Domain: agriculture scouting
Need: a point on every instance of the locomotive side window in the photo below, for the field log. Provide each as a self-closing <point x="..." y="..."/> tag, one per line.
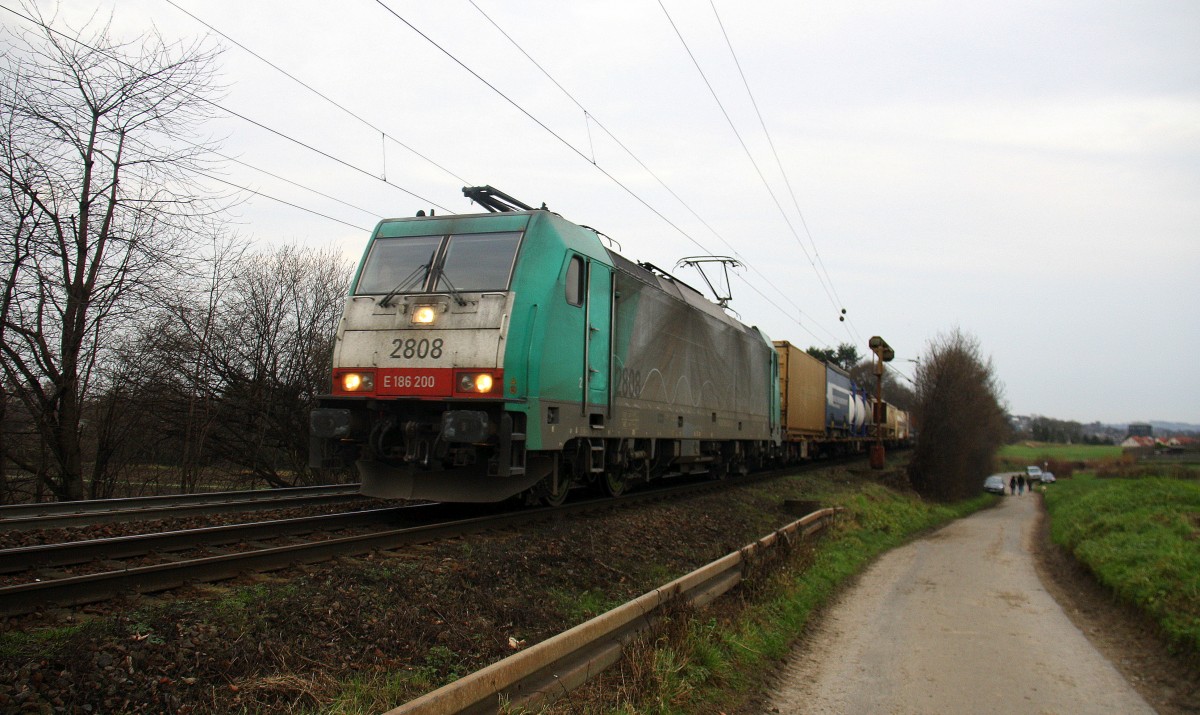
<point x="575" y="281"/>
<point x="478" y="262"/>
<point x="398" y="265"/>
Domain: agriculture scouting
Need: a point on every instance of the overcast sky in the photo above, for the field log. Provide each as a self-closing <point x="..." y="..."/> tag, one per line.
<point x="1028" y="172"/>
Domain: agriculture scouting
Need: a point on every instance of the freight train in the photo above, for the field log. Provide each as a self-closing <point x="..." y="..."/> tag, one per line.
<point x="513" y="354"/>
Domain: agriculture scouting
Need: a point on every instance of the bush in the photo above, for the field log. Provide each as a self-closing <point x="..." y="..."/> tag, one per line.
<point x="1059" y="468"/>
<point x="959" y="420"/>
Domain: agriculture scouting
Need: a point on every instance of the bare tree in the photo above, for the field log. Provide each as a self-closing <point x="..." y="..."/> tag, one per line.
<point x="20" y="224"/>
<point x="959" y="419"/>
<point x="272" y="355"/>
<point x="177" y="355"/>
<point x="100" y="202"/>
<point x="114" y="423"/>
<point x="233" y="368"/>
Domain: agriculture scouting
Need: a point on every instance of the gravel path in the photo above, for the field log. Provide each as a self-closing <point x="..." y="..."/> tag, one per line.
<point x="955" y="623"/>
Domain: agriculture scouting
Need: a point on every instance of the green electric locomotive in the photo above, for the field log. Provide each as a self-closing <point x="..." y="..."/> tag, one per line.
<point x="487" y="356"/>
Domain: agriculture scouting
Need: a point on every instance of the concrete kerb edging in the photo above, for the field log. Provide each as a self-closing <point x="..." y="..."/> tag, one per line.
<point x="550" y="668"/>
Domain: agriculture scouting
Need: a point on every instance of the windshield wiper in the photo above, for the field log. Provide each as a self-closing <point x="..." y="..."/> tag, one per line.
<point x="454" y="293"/>
<point x="420" y="271"/>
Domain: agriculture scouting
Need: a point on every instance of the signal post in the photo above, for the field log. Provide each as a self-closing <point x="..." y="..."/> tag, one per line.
<point x="883" y="353"/>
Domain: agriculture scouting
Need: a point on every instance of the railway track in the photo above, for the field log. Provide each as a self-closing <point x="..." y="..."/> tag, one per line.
<point x="60" y="589"/>
<point x="246" y="554"/>
<point x="105" y="511"/>
<point x="72" y="553"/>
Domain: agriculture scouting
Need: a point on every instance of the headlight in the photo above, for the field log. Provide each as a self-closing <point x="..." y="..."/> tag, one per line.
<point x="424" y="315"/>
<point x="358" y="381"/>
<point x="476" y="382"/>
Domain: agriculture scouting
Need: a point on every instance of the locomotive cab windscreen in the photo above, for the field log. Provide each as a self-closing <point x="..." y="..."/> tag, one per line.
<point x="453" y="264"/>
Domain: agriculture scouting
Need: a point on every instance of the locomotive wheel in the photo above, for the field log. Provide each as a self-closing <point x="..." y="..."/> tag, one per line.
<point x="548" y="495"/>
<point x="613" y="484"/>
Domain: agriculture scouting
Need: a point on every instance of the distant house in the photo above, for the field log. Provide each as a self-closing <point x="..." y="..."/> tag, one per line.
<point x="1179" y="445"/>
<point x="1145" y="446"/>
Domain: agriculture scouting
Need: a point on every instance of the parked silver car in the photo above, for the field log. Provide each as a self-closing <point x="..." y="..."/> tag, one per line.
<point x="994" y="484"/>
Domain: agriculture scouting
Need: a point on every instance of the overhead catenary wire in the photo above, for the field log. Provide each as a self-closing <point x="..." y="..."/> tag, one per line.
<point x="349" y="165"/>
<point x="749" y="155"/>
<point x="256" y="192"/>
<point x="780" y="308"/>
<point x="590" y="118"/>
<point x="775" y="152"/>
<point x="232" y="113"/>
<point x="317" y="92"/>
<point x="359" y="169"/>
<point x="901" y="374"/>
<point x="326" y="154"/>
<point x="298" y="185"/>
<point x="273" y="175"/>
<point x="282" y="201"/>
<point x="543" y="125"/>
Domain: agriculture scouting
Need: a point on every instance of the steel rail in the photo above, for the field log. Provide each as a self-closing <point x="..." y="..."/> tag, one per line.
<point x="548" y="670"/>
<point x="192" y="507"/>
<point x="26" y="558"/>
<point x="94" y="505"/>
<point x="77" y="590"/>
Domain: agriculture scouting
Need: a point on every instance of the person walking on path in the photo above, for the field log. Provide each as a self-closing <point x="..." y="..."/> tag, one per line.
<point x="1020" y="484"/>
<point x="1012" y="485"/>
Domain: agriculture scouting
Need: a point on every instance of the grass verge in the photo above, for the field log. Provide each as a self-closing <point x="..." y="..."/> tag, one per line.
<point x="719" y="663"/>
<point x="1141" y="538"/>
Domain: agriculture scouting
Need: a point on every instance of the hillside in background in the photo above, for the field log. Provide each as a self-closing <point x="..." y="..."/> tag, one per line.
<point x="1049" y="429"/>
<point x="1173" y="427"/>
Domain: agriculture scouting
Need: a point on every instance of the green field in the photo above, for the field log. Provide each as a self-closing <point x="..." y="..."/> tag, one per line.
<point x="1140" y="537"/>
<point x="1038" y="452"/>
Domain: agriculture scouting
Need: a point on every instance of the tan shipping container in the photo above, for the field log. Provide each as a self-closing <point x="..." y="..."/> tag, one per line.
<point x="896" y="427"/>
<point x="891" y="429"/>
<point x="801" y="392"/>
